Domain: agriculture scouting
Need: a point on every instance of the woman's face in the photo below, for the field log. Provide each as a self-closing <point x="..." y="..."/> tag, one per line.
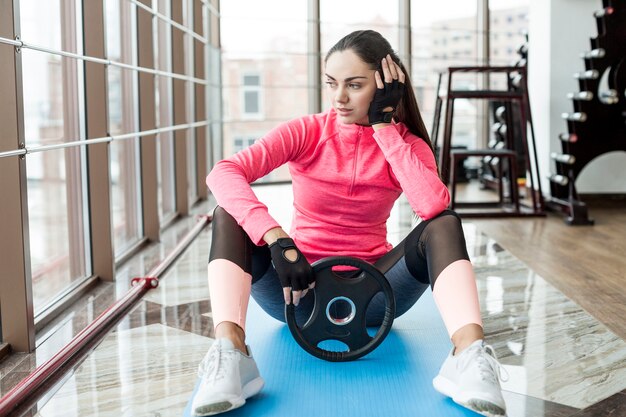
<point x="351" y="86"/>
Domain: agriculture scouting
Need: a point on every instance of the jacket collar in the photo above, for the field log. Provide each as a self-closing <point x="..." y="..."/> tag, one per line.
<point x="350" y="132"/>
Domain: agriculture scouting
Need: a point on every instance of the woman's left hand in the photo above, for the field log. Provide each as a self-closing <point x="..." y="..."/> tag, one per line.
<point x="388" y="93"/>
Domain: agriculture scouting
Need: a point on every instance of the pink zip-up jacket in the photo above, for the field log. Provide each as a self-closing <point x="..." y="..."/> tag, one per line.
<point x="346" y="179"/>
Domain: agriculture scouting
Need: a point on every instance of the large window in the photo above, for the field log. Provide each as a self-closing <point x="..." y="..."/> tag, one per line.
<point x="508" y="25"/>
<point x="123" y="118"/>
<point x="213" y="99"/>
<point x="56" y="182"/>
<point x="164" y="115"/>
<point x="338" y="19"/>
<point x="188" y="18"/>
<point x="443" y="37"/>
<point x="90" y="113"/>
<point x="265" y="80"/>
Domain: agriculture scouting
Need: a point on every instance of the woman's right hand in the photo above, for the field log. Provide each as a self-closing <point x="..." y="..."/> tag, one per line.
<point x="294" y="271"/>
<point x="389" y="91"/>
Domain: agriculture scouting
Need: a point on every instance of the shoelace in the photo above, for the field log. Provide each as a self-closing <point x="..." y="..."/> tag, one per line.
<point x="488" y="364"/>
<point x="212" y="366"/>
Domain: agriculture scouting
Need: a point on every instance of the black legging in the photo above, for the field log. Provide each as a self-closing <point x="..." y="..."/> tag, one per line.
<point x="428" y="249"/>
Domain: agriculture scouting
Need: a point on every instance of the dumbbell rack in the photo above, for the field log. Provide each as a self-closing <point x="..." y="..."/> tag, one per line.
<point x="598" y="123"/>
<point x="505" y="129"/>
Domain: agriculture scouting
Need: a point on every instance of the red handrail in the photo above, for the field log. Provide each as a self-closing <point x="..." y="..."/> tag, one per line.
<point x="56" y="367"/>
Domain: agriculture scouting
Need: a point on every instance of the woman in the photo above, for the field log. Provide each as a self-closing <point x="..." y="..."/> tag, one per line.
<point x="348" y="166"/>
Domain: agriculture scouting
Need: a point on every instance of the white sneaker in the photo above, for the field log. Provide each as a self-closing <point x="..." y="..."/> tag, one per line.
<point x="472" y="380"/>
<point x="229" y="377"/>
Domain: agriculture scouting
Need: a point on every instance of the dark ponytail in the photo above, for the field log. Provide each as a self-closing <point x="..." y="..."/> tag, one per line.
<point x="372" y="47"/>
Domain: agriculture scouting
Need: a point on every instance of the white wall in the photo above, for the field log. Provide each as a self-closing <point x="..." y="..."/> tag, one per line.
<point x="559" y="31"/>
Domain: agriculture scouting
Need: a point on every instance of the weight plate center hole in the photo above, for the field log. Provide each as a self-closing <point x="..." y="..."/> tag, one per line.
<point x="340" y="311"/>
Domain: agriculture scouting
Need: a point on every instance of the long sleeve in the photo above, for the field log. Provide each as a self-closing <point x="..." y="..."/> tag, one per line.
<point x="230" y="179"/>
<point x="413" y="164"/>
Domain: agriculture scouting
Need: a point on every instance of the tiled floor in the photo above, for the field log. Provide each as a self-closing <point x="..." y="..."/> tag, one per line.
<point x="560" y="360"/>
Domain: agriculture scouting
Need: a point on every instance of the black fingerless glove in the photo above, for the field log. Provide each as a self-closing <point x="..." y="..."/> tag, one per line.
<point x="297" y="274"/>
<point x="389" y="96"/>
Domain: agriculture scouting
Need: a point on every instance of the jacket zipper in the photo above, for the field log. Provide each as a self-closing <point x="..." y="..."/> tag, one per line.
<point x="356" y="157"/>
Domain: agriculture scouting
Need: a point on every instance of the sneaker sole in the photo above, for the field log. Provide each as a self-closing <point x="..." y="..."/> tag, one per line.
<point x="253" y="387"/>
<point x="217" y="408"/>
<point x="250" y="389"/>
<point x="483" y="407"/>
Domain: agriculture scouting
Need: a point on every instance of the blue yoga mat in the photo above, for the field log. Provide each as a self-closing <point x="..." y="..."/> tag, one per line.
<point x="393" y="380"/>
